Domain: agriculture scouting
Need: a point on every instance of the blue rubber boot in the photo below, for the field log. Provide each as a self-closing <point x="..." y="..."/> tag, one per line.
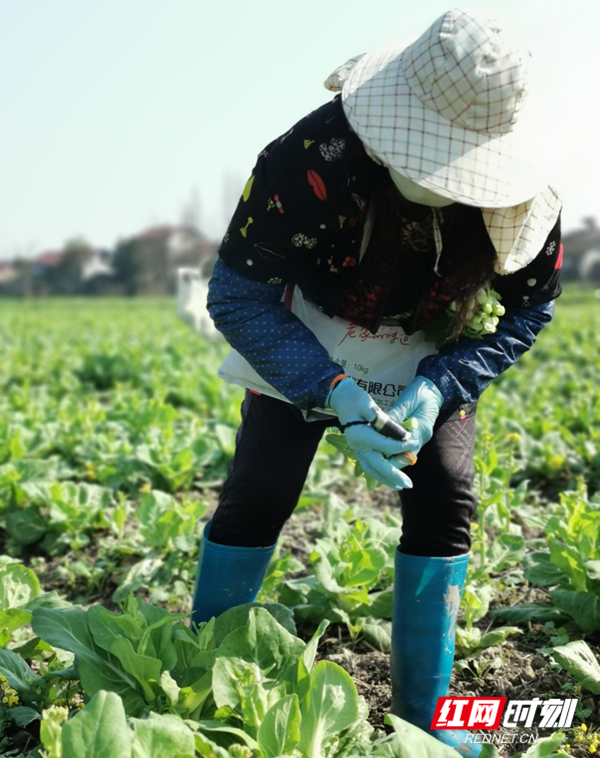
<point x="227" y="576"/>
<point x="427" y="593"/>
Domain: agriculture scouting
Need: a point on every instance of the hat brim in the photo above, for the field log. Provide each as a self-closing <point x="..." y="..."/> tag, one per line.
<point x="471" y="167"/>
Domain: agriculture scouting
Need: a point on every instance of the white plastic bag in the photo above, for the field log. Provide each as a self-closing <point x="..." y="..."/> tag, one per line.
<point x="192" y="291"/>
<point x="383" y="364"/>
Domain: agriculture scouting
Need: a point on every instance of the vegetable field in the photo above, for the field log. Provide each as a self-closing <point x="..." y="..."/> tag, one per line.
<point x="115" y="434"/>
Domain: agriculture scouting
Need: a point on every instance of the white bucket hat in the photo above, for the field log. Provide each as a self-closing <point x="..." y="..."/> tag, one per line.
<point x="442" y="111"/>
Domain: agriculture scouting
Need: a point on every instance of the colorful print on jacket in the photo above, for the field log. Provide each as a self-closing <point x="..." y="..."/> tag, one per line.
<point x="301" y="220"/>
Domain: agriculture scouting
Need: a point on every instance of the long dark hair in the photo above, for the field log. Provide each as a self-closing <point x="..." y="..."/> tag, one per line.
<point x="466" y="263"/>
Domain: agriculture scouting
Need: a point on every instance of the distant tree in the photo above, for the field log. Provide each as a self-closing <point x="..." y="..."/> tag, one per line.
<point x="67" y="274"/>
<point x="127" y="265"/>
<point x="24" y="271"/>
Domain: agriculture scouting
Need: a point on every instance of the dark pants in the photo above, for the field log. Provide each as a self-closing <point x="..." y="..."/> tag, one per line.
<point x="275" y="447"/>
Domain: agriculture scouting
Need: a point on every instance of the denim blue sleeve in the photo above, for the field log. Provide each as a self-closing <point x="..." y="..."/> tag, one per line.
<point x="284" y="352"/>
<point x="462" y="370"/>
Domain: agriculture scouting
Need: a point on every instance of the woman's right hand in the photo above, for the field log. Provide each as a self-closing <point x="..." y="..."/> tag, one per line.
<point x="356" y="410"/>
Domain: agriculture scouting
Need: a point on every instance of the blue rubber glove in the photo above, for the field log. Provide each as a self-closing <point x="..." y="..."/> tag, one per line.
<point x="352" y="404"/>
<point x="420" y="401"/>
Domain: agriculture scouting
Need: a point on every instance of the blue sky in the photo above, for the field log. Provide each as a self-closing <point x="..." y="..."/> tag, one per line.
<point x="118" y="114"/>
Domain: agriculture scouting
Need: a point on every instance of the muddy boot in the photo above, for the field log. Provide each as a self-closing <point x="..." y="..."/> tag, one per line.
<point x="227" y="576"/>
<point x="427" y="593"/>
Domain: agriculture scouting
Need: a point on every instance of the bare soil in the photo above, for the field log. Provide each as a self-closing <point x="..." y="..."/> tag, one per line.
<point x="516" y="669"/>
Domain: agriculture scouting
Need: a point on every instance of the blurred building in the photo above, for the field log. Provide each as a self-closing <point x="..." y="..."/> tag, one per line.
<point x="144" y="264"/>
<point x="581" y="260"/>
<point x="45" y="275"/>
<point x="9" y="279"/>
<point x="78" y="269"/>
<point x="147" y="263"/>
<point x="97" y="275"/>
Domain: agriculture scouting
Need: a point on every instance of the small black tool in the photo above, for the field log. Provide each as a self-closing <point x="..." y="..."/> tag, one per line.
<point x="389" y="428"/>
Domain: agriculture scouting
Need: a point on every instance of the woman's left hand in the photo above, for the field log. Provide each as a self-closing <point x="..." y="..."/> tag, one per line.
<point x="420" y="401"/>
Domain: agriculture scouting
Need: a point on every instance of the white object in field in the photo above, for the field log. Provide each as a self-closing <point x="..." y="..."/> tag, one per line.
<point x="192" y="292"/>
